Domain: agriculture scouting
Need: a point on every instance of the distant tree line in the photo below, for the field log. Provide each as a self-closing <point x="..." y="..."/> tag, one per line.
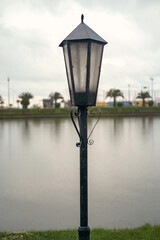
<point x="114" y="93"/>
<point x="26" y="96"/>
<point x="55" y="96"/>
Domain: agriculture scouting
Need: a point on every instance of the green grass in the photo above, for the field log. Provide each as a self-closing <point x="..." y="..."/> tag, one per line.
<point x="130" y="109"/>
<point x="34" y="113"/>
<point x="65" y="112"/>
<point x="146" y="232"/>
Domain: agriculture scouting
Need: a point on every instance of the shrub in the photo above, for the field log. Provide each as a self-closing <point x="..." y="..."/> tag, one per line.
<point x="150" y="103"/>
<point x="57" y="105"/>
<point x="120" y="104"/>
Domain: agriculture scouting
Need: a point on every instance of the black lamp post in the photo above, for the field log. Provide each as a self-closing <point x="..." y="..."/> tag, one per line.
<point x="83" y="50"/>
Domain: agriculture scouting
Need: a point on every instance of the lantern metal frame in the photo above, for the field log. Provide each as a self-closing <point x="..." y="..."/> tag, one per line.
<point x="82" y="34"/>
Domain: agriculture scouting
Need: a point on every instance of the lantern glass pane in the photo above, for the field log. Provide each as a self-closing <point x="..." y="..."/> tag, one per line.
<point x="95" y="65"/>
<point x="66" y="57"/>
<point x="79" y="65"/>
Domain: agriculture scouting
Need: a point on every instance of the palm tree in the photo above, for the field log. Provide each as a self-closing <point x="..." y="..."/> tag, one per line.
<point x="143" y="96"/>
<point x="25" y="96"/>
<point x="1" y="100"/>
<point x="114" y="93"/>
<point x="55" y="96"/>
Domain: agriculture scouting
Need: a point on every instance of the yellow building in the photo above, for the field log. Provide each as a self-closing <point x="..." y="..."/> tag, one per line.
<point x="101" y="104"/>
<point x="137" y="102"/>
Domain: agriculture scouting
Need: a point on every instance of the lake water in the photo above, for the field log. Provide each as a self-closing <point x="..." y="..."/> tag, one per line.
<point x="39" y="174"/>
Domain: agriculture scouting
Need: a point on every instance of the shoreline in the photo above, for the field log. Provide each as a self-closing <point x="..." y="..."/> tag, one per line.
<point x="65" y="112"/>
<point x="147" y="232"/>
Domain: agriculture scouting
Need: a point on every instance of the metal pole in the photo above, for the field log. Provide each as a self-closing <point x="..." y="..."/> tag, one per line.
<point x="8" y="94"/>
<point x="83" y="230"/>
<point x="129" y="92"/>
<point x="152" y="86"/>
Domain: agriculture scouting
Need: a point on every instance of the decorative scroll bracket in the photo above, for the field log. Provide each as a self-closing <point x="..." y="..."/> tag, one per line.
<point x="91" y="113"/>
<point x="75" y="112"/>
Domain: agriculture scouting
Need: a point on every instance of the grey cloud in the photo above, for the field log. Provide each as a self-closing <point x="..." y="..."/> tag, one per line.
<point x="118" y="4"/>
<point x="28" y="57"/>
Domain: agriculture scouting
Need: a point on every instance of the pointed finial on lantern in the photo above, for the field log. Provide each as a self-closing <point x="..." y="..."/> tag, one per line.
<point x="82" y="18"/>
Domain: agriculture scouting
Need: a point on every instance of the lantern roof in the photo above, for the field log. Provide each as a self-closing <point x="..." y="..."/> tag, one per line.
<point x="83" y="32"/>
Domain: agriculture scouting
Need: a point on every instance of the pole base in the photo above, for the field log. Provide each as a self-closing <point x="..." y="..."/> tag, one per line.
<point x="84" y="233"/>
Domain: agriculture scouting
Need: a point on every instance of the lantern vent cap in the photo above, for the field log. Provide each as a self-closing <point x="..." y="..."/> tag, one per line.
<point x="81" y="33"/>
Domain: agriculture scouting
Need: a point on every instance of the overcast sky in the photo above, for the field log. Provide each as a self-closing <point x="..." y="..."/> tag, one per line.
<point x="31" y="30"/>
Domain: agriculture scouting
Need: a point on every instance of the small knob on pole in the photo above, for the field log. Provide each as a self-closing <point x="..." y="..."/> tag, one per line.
<point x="82" y="18"/>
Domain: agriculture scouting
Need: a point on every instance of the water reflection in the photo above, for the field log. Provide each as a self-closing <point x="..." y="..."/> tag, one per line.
<point x="39" y="174"/>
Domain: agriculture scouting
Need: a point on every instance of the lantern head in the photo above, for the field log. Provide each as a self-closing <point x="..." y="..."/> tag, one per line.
<point x="83" y="50"/>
